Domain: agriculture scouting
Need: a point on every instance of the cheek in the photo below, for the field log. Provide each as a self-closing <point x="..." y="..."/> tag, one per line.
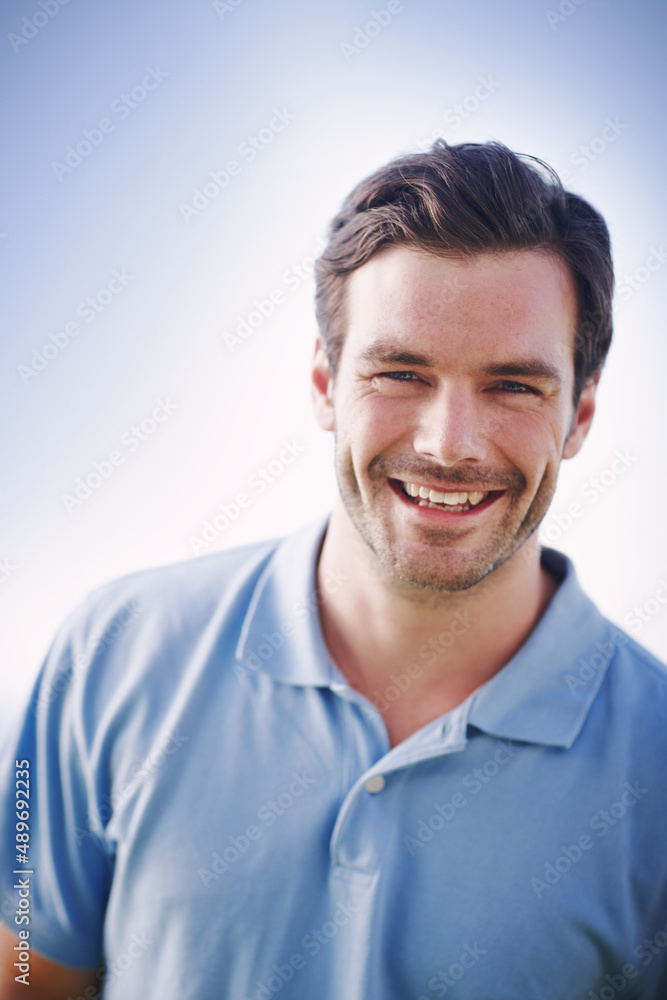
<point x="372" y="425"/>
<point x="530" y="440"/>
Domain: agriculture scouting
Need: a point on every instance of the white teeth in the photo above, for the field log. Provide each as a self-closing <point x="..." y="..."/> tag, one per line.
<point x="453" y="500"/>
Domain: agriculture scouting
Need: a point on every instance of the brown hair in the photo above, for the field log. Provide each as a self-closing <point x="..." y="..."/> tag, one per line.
<point x="464" y="200"/>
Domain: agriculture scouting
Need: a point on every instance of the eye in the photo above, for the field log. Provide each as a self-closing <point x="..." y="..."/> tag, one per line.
<point x="399" y="376"/>
<point x="518" y="388"/>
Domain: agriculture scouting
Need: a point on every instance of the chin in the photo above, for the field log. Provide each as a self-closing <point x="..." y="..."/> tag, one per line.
<point x="442" y="575"/>
<point x="440" y="563"/>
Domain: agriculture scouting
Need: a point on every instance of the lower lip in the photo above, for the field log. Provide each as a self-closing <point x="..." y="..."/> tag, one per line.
<point x="444" y="515"/>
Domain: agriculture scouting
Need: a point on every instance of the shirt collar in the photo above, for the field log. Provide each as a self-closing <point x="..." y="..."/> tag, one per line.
<point x="528" y="700"/>
<point x="281" y="633"/>
<point x="537" y="697"/>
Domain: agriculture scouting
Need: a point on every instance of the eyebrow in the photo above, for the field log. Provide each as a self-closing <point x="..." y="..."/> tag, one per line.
<point x="387" y="354"/>
<point x="528" y="368"/>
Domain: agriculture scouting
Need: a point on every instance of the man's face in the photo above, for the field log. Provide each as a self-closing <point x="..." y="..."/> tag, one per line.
<point x="455" y="378"/>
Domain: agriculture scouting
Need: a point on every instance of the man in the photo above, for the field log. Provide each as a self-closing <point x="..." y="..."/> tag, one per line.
<point x="400" y="754"/>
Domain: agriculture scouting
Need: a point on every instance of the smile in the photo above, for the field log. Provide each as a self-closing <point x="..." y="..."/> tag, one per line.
<point x="449" y="501"/>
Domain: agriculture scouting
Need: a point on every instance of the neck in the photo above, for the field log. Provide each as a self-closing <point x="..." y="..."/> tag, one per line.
<point x="417" y="653"/>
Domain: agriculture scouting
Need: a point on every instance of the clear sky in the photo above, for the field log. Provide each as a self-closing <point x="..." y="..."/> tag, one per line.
<point x="169" y="168"/>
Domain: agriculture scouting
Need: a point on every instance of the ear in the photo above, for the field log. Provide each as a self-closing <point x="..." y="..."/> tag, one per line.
<point x="321" y="388"/>
<point x="583" y="418"/>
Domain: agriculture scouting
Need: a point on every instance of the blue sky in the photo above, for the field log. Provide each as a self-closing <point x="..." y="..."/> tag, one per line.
<point x="170" y="168"/>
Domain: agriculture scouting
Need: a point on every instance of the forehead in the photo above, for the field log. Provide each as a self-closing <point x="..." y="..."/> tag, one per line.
<point x="487" y="306"/>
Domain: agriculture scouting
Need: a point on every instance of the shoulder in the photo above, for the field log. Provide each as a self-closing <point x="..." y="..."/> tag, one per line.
<point x="634" y="663"/>
<point x="601" y="650"/>
<point x="181" y="591"/>
<point x="635" y="674"/>
<point x="631" y="705"/>
<point x="147" y="626"/>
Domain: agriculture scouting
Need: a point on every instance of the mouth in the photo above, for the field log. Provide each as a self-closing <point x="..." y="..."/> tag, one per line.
<point x="446" y="500"/>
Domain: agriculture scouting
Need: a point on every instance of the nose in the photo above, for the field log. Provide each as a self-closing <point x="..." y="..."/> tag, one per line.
<point x="450" y="428"/>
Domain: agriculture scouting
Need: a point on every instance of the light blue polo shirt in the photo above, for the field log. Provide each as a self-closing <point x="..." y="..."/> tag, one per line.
<point x="216" y="815"/>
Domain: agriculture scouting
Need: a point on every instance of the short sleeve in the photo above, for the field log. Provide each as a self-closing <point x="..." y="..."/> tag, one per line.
<point x="70" y="862"/>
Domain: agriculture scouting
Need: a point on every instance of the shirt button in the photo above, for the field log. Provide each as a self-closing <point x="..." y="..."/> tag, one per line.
<point x="375" y="784"/>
